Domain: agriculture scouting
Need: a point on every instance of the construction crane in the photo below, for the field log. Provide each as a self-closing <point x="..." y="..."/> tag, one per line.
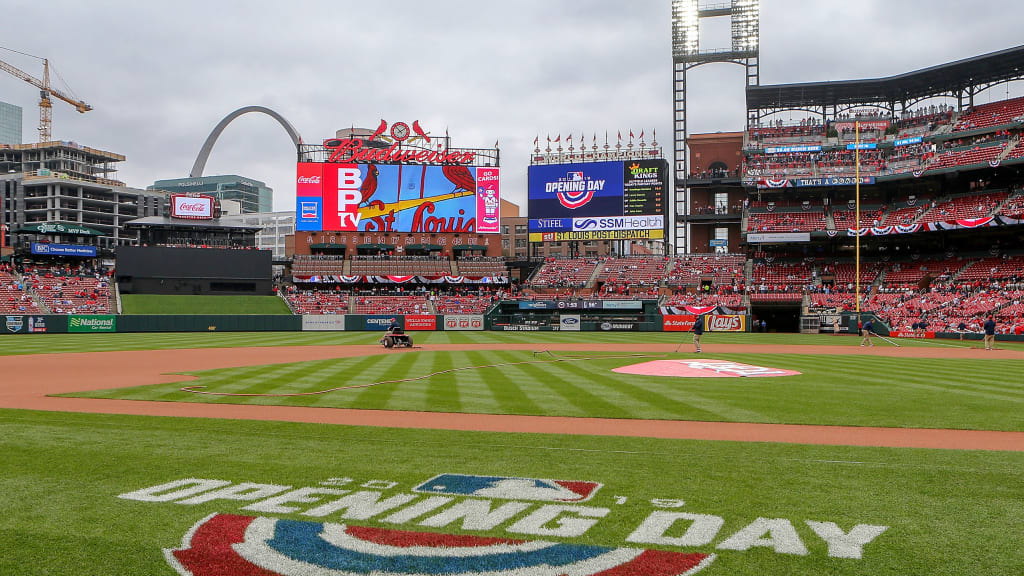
<point x="45" y="91"/>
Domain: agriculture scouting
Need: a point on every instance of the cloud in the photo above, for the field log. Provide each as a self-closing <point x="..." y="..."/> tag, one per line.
<point x="161" y="75"/>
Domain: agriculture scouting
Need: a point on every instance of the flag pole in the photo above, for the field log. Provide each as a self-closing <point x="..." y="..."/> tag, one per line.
<point x="856" y="150"/>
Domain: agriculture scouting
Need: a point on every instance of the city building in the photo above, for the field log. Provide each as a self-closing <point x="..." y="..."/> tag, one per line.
<point x="63" y="192"/>
<point x="253" y="195"/>
<point x="10" y="124"/>
<point x="275" y="228"/>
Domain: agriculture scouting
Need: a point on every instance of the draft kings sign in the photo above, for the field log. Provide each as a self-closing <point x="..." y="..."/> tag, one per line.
<point x="446" y="524"/>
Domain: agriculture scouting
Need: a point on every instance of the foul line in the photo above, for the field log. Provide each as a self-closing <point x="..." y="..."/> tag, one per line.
<point x="199" y="389"/>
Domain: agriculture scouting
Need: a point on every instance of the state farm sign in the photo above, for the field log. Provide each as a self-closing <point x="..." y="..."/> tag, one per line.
<point x="678" y="322"/>
<point x="192" y="207"/>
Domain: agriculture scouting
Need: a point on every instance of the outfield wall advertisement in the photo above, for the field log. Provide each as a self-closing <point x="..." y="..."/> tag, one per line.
<point x="397" y="198"/>
<point x="598" y="200"/>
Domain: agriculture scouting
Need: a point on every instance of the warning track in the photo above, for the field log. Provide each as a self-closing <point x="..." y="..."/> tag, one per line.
<point x="28" y="380"/>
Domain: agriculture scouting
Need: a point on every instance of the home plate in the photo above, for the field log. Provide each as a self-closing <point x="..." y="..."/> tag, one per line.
<point x="701" y="369"/>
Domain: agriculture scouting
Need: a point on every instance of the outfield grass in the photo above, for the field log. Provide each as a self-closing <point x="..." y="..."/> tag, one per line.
<point x="60" y="343"/>
<point x="178" y="304"/>
<point x="948" y="512"/>
<point x="831" y="390"/>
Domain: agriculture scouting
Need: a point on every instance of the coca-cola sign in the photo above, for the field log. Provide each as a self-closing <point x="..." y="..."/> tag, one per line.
<point x="192" y="207"/>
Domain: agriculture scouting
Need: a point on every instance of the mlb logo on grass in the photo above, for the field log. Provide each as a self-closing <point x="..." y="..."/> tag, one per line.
<point x="510" y="488"/>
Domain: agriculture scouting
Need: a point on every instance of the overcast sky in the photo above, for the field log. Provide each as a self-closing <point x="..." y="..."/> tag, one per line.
<point x="161" y="75"/>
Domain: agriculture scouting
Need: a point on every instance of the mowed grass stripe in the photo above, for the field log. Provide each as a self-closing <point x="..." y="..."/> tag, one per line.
<point x="573" y="390"/>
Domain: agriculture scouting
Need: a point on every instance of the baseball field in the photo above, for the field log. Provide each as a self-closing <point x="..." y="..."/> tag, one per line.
<point x="525" y="454"/>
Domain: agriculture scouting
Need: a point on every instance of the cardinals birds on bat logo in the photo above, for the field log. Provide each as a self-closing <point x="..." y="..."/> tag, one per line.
<point x="223" y="544"/>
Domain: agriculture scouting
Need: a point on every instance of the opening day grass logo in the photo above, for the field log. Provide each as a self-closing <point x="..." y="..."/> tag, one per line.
<point x="536" y="514"/>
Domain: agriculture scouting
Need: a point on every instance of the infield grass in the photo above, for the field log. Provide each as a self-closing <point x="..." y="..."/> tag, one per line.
<point x="202" y="304"/>
<point x="950" y="513"/>
<point x="831" y="390"/>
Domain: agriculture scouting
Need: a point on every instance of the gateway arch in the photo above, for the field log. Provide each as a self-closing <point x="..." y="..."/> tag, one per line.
<point x="204" y="153"/>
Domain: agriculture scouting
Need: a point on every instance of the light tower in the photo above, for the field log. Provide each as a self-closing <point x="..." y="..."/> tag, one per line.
<point x="686" y="54"/>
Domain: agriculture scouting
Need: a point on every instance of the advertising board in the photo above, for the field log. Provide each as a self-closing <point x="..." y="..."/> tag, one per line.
<point x="420" y="322"/>
<point x="192" y="207"/>
<point x="464" y="322"/>
<point x="322" y="323"/>
<point x="24" y="324"/>
<point x="597" y="200"/>
<point x="725" y="323"/>
<point x="772" y="237"/>
<point x="569" y="323"/>
<point x="678" y="322"/>
<point x="63" y="250"/>
<point x="416" y="198"/>
<point x="379" y="321"/>
<point x="93" y="323"/>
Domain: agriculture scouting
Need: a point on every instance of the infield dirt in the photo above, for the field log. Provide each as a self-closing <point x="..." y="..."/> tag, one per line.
<point x="29" y="380"/>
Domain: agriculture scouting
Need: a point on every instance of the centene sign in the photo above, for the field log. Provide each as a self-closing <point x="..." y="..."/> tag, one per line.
<point x="192" y="207"/>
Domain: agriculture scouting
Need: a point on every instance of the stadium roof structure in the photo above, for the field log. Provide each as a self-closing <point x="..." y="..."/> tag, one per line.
<point x="957" y="79"/>
<point x="168" y="222"/>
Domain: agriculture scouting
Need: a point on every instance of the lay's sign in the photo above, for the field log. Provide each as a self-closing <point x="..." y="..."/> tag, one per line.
<point x="725" y="323"/>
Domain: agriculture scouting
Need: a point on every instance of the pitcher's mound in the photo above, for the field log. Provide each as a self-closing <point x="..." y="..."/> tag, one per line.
<point x="701" y="369"/>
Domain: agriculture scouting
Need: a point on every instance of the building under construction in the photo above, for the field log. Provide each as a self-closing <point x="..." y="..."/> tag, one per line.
<point x="66" y="193"/>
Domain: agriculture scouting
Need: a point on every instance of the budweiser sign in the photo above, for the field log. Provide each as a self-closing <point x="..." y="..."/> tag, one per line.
<point x="357" y="150"/>
<point x="192" y="207"/>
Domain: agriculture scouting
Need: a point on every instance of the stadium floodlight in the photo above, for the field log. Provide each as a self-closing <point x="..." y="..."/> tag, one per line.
<point x="746" y="15"/>
<point x="685" y="28"/>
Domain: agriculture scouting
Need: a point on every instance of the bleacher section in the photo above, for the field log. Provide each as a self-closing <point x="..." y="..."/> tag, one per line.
<point x="992" y="114"/>
<point x="690" y="269"/>
<point x="804" y="221"/>
<point x="408" y="304"/>
<point x="482" y="267"/>
<point x="464" y="303"/>
<point x="642" y="271"/>
<point x="965" y="207"/>
<point x="316" y="302"/>
<point x="14" y="300"/>
<point x="400" y="266"/>
<point x="564" y="273"/>
<point x="71" y="294"/>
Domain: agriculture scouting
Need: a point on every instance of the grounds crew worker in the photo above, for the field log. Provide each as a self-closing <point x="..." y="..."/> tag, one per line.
<point x="868" y="331"/>
<point x="698" y="330"/>
<point x="990" y="333"/>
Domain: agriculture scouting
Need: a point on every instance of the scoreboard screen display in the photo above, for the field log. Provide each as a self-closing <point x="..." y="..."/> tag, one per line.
<point x="598" y="200"/>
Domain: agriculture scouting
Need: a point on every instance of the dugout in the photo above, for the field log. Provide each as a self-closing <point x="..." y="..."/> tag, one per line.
<point x="780" y="315"/>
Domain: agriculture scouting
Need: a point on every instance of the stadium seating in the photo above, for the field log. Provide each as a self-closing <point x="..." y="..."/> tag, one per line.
<point x="869" y="216"/>
<point x="464" y="303"/>
<point x="965" y="207"/>
<point x="994" y="269"/>
<point x="727" y="299"/>
<point x="562" y="273"/>
<point x="642" y="271"/>
<point x="992" y="114"/>
<point x="974" y="155"/>
<point x="315" y="302"/>
<point x="409" y="304"/>
<point x="400" y="266"/>
<point x="482" y="267"/>
<point x="786" y="221"/>
<point x="1014" y="207"/>
<point x="72" y="294"/>
<point x="911" y="273"/>
<point x="690" y="269"/>
<point x="780" y="275"/>
<point x="14" y="300"/>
